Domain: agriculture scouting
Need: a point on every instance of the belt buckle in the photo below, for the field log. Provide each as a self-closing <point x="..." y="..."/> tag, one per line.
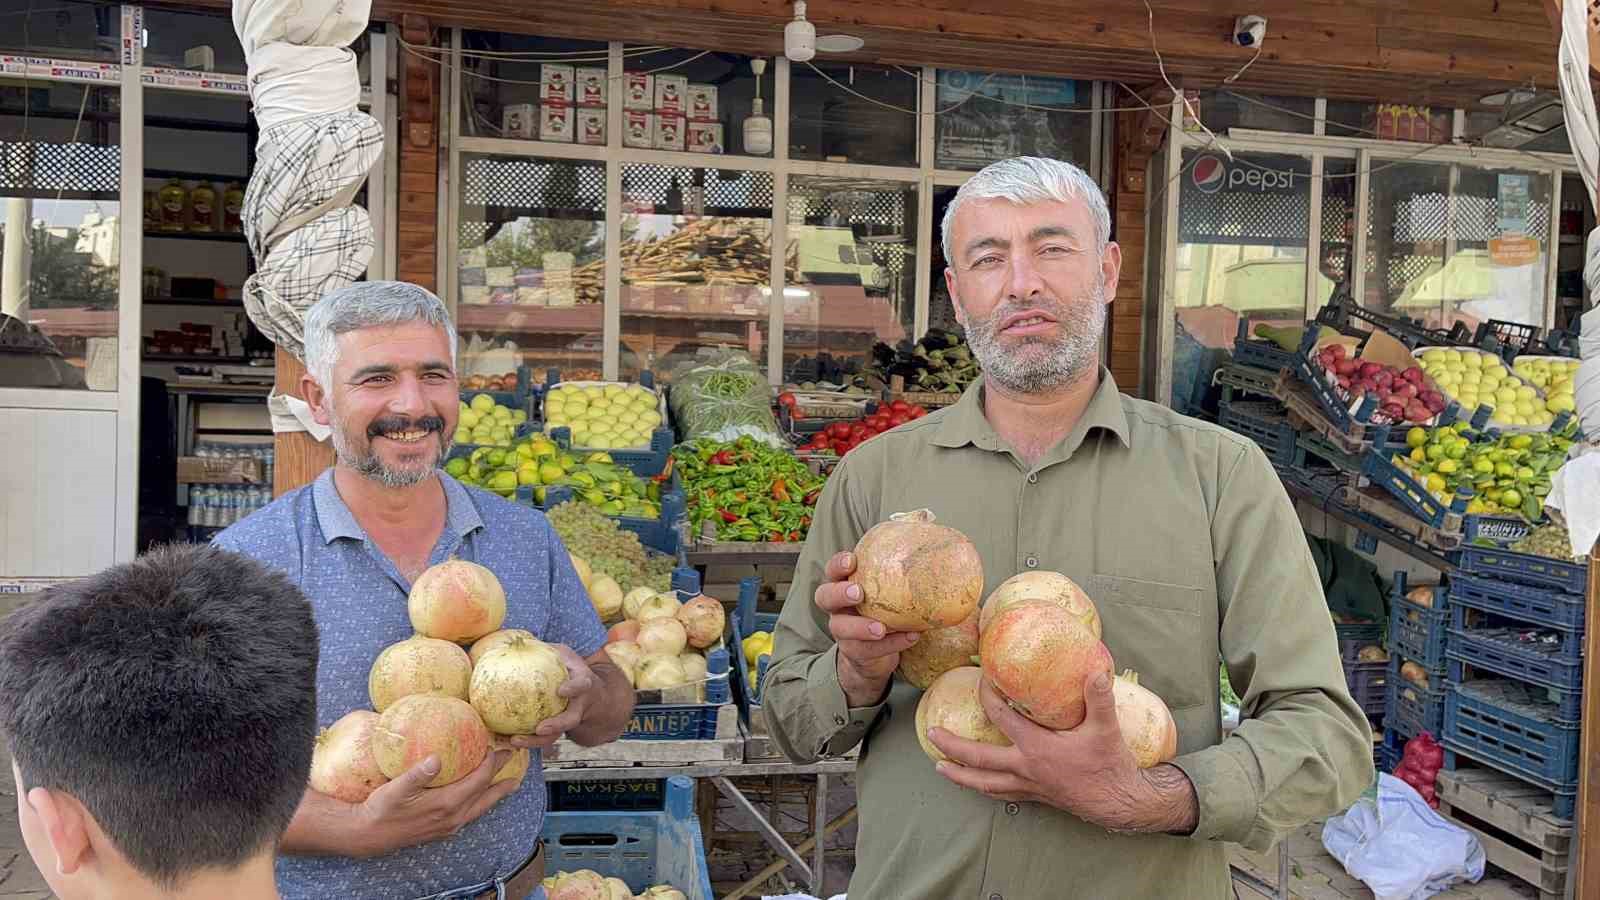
<point x="471" y="893"/>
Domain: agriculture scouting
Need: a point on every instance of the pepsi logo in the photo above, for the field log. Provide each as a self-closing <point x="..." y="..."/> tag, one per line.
<point x="1208" y="174"/>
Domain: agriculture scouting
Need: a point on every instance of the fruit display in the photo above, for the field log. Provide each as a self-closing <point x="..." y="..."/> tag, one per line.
<point x="594" y="477"/>
<point x="1508" y="474"/>
<point x="917" y="575"/>
<point x="842" y="437"/>
<point x="661" y="643"/>
<point x="610" y="551"/>
<point x="1404" y="395"/>
<point x="587" y="884"/>
<point x="941" y="362"/>
<point x="1552" y="375"/>
<point x="1550" y="541"/>
<point x="604" y="416"/>
<point x="1473" y="378"/>
<point x="504" y="382"/>
<point x="746" y="490"/>
<point x="483" y="421"/>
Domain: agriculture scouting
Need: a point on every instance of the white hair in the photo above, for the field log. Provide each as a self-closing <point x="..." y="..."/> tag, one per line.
<point x="1032" y="179"/>
<point x="368" y="304"/>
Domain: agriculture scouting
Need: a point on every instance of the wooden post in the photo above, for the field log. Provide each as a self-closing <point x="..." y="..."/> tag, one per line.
<point x="299" y="458"/>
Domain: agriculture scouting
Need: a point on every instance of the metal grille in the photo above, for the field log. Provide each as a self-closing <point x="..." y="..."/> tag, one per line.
<point x="1405" y="268"/>
<point x="1233" y="217"/>
<point x="725" y="189"/>
<point x="1478" y="220"/>
<point x="510" y="182"/>
<point x="42" y="166"/>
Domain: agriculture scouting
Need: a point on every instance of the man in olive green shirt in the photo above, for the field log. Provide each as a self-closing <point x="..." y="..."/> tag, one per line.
<point x="1177" y="529"/>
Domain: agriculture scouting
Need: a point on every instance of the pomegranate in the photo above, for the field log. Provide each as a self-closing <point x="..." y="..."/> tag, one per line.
<point x="694" y="672"/>
<point x="495" y="640"/>
<point x="342" y="765"/>
<point x="915" y="575"/>
<point x="456" y="601"/>
<point x="703" y="620"/>
<point x="418" y="665"/>
<point x="657" y="671"/>
<point x="625" y="655"/>
<point x="581" y="566"/>
<point x="517" y="766"/>
<point x="424" y="725"/>
<point x="1146" y="723"/>
<point x="952" y="703"/>
<point x="623" y="631"/>
<point x="584" y="884"/>
<point x="605" y="595"/>
<point x="663" y="636"/>
<point x="1038" y="656"/>
<point x="617" y="889"/>
<point x="663" y="892"/>
<point x="651" y="606"/>
<point x="938" y="651"/>
<point x="515" y="688"/>
<point x="1052" y="586"/>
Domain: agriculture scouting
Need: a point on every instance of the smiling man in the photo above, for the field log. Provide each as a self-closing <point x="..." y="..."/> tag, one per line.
<point x="380" y="360"/>
<point x="1177" y="529"/>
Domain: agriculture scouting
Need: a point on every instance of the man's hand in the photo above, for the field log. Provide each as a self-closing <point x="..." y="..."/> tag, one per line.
<point x="579" y="690"/>
<point x="406" y="812"/>
<point x="1087" y="771"/>
<point x="868" y="652"/>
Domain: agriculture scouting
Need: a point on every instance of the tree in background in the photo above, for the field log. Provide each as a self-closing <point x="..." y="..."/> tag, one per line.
<point x="62" y="278"/>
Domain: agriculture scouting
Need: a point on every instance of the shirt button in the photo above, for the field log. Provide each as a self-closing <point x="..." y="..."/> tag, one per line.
<point x="838" y="720"/>
<point x="1033" y="562"/>
<point x="996" y="896"/>
<point x="1012" y="809"/>
<point x="1033" y="477"/>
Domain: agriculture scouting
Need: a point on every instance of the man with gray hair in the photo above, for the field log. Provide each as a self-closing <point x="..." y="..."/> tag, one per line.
<point x="380" y="360"/>
<point x="1179" y="532"/>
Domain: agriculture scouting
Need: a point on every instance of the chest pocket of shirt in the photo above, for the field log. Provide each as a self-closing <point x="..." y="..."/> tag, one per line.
<point x="1158" y="630"/>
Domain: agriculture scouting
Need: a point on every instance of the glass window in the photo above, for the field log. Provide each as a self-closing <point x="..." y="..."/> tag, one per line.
<point x="1577" y="219"/>
<point x="169" y="35"/>
<point x="852" y="274"/>
<point x="64" y="29"/>
<point x="1224" y="109"/>
<point x="523" y="87"/>
<point x="854" y="114"/>
<point x="1389" y="121"/>
<point x="530" y="274"/>
<point x="60" y="172"/>
<point x="1242" y="234"/>
<point x="696" y="266"/>
<point x="1351" y="118"/>
<point x="691" y="100"/>
<point x="981" y="117"/>
<point x="1533" y="122"/>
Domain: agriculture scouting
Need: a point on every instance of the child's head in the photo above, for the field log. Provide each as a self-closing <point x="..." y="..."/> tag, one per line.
<point x="160" y="717"/>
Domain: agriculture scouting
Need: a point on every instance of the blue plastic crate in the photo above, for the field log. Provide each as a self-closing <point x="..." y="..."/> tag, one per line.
<point x="1499" y="530"/>
<point x="1377" y="468"/>
<point x="1365" y="633"/>
<point x="513" y="399"/>
<point x="1418" y="632"/>
<point x="1368" y="683"/>
<point x="685" y="721"/>
<point x="643" y="794"/>
<point x="1261" y="354"/>
<point x="1519" y="602"/>
<point x="1261" y="421"/>
<point x="646" y="463"/>
<point x="660" y="533"/>
<point x="1387" y="753"/>
<point x="748" y="622"/>
<point x="1410" y="709"/>
<point x="1494" y="723"/>
<point x="641" y="848"/>
<point x="1525" y="568"/>
<point x="1508" y="650"/>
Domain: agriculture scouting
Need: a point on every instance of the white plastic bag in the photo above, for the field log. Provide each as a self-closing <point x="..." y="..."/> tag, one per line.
<point x="1399" y="847"/>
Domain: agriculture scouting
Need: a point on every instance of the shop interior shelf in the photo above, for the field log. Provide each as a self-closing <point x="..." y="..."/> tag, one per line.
<point x="1261" y="421"/>
<point x="1519" y="602"/>
<point x="643" y="848"/>
<point x="1495" y="723"/>
<point x="1525" y="568"/>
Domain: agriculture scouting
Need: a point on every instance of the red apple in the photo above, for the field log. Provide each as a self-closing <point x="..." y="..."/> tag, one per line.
<point x="1413" y="375"/>
<point x="1338" y="350"/>
<point x="1369" y="369"/>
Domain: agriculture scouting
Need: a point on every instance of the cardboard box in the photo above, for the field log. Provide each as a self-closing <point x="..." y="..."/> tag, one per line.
<point x="592" y="126"/>
<point x="672" y="94"/>
<point x="668" y="133"/>
<point x="556" y="123"/>
<point x="555" y="83"/>
<point x="220" y="470"/>
<point x="703" y="103"/>
<point x="705" y="137"/>
<point x="637" y="129"/>
<point x="639" y="91"/>
<point x="592" y="87"/>
<point x="518" y="121"/>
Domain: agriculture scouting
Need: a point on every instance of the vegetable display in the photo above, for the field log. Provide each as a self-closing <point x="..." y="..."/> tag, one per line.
<point x="748" y="491"/>
<point x="1508" y="474"/>
<point x="537" y="462"/>
<point x="611" y="551"/>
<point x="842" y="437"/>
<point x="940" y="362"/>
<point x="725" y="400"/>
<point x="1550" y="541"/>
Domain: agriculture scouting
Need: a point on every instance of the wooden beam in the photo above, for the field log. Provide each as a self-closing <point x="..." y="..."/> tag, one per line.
<point x="298" y="457"/>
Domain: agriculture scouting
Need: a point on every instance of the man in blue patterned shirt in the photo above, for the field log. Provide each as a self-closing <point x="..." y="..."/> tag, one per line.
<point x="381" y="372"/>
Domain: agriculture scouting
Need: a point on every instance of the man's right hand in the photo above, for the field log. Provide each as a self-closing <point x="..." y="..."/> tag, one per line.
<point x="406" y="812"/>
<point x="868" y="651"/>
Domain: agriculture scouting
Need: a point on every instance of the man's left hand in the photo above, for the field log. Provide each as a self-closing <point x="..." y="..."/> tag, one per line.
<point x="1087" y="771"/>
<point x="579" y="689"/>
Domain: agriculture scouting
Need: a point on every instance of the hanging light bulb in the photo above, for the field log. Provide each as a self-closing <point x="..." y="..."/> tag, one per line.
<point x="758" y="127"/>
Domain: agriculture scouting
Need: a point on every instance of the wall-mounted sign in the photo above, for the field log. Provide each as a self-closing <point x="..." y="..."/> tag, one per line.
<point x="1212" y="172"/>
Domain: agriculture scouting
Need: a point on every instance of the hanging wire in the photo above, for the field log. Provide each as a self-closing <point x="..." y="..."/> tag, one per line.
<point x="444" y="63"/>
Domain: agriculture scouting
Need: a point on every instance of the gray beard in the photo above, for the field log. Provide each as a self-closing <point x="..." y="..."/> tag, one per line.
<point x="1038" y="365"/>
<point x="365" y="462"/>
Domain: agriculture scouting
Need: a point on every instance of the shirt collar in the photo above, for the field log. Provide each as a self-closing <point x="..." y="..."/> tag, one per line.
<point x="964" y="423"/>
<point x="337" y="521"/>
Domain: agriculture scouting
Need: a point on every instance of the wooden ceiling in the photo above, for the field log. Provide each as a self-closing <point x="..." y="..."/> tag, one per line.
<point x="1441" y="52"/>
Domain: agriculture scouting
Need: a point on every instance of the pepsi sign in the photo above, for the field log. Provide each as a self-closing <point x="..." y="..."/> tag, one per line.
<point x="1211" y="173"/>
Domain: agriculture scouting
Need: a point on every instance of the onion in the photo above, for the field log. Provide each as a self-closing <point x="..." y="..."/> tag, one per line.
<point x="654" y="606"/>
<point x="514" y="688"/>
<point x="424" y="725"/>
<point x="585" y="572"/>
<point x="342" y="765"/>
<point x="418" y="665"/>
<point x="952" y="703"/>
<point x="703" y="620"/>
<point x="516" y="767"/>
<point x="1146" y="723"/>
<point x="625" y="655"/>
<point x="915" y="575"/>
<point x="1052" y="586"/>
<point x="938" y="651"/>
<point x="606" y="597"/>
<point x="660" y="670"/>
<point x="1039" y="656"/>
<point x="495" y="640"/>
<point x="623" y="631"/>
<point x="584" y="884"/>
<point x="663" y="636"/>
<point x="1415" y="674"/>
<point x="456" y="601"/>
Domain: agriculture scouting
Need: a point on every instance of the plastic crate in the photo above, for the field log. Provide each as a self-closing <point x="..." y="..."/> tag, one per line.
<point x="1368" y="683"/>
<point x="1342" y="312"/>
<point x="1411" y="709"/>
<point x="1362" y="632"/>
<point x="1259" y="354"/>
<point x="1317" y="445"/>
<point x="1261" y="421"/>
<point x="1418" y="632"/>
<point x="1387" y="753"/>
<point x="513" y="399"/>
<point x="1525" y="568"/>
<point x="1349" y="650"/>
<point x="748" y="622"/>
<point x="1498" y="530"/>
<point x="646" y="463"/>
<point x="1377" y="468"/>
<point x="661" y="533"/>
<point x="1519" y="602"/>
<point x="669" y="720"/>
<point x="1493" y="723"/>
<point x="643" y="848"/>
<point x="1542" y="656"/>
<point x="645" y="794"/>
<point x="1246" y="380"/>
<point x="1506" y="339"/>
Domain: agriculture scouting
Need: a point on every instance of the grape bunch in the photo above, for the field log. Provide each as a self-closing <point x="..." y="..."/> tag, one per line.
<point x="608" y="548"/>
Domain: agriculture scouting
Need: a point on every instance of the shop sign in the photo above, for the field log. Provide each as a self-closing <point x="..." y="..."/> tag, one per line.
<point x="1513" y="250"/>
<point x="1512" y="195"/>
<point x="186" y="79"/>
<point x="59" y="69"/>
<point x="1212" y="173"/>
<point x="1031" y="90"/>
<point x="132" y="35"/>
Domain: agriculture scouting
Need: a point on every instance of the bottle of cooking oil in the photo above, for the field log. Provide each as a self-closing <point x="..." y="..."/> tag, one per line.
<point x="203" y="208"/>
<point x="173" y="199"/>
<point x="233" y="208"/>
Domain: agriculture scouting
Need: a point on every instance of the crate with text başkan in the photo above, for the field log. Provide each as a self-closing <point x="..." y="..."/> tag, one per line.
<point x="643" y="848"/>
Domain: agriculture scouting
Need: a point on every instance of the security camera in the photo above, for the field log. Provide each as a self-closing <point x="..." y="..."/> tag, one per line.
<point x="800" y="36"/>
<point x="1249" y="31"/>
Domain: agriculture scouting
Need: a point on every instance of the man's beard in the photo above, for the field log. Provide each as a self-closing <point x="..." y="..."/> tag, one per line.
<point x="1032" y="365"/>
<point x="355" y="452"/>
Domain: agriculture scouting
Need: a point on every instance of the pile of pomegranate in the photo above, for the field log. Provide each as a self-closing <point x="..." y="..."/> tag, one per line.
<point x="659" y="642"/>
<point x="1404" y="395"/>
<point x="433" y="697"/>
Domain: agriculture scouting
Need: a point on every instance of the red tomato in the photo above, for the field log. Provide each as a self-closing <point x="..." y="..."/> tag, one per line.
<point x="899" y="418"/>
<point x="918" y="412"/>
<point x="839" y="429"/>
<point x="786" y="399"/>
<point x="900" y="406"/>
<point x="856" y="431"/>
<point x="879" y="421"/>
